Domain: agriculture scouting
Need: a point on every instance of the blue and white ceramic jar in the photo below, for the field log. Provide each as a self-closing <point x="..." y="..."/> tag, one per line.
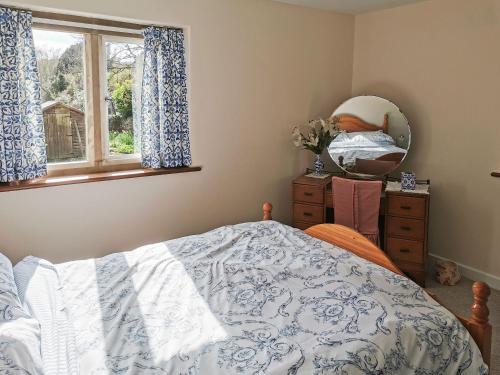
<point x="408" y="181"/>
<point x="319" y="165"/>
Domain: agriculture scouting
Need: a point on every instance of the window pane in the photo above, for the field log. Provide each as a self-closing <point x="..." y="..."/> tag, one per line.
<point x="60" y="57"/>
<point x="124" y="61"/>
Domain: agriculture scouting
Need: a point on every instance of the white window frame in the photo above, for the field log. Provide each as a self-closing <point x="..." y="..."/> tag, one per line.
<point x="98" y="158"/>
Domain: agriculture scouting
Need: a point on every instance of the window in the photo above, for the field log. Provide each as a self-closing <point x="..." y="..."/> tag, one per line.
<point x="123" y="62"/>
<point x="90" y="97"/>
<point x="91" y="77"/>
<point x="60" y="58"/>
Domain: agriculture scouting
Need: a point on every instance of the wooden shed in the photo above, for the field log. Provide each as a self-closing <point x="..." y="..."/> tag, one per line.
<point x="64" y="132"/>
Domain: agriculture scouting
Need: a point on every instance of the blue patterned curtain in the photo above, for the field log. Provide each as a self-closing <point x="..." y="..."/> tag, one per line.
<point x="164" y="109"/>
<point x="22" y="138"/>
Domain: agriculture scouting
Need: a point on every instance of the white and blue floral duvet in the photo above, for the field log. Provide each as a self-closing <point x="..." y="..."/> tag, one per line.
<point x="256" y="298"/>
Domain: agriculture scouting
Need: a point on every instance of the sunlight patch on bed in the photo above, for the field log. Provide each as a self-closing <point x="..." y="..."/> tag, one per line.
<point x="177" y="319"/>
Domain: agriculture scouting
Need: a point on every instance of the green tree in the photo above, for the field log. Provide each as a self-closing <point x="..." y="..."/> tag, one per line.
<point x="122" y="97"/>
<point x="58" y="85"/>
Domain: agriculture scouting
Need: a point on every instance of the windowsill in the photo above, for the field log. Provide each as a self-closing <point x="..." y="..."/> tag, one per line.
<point x="86" y="167"/>
<point x="495" y="174"/>
<point x="44" y="182"/>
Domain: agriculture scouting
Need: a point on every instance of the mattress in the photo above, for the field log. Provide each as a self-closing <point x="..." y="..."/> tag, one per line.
<point x="253" y="298"/>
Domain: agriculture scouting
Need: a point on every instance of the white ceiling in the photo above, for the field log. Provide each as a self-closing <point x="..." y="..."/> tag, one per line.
<point x="351" y="6"/>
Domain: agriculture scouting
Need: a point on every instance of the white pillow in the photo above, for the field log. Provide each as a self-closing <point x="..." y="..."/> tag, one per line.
<point x="363" y="139"/>
<point x="41" y="294"/>
<point x="19" y="332"/>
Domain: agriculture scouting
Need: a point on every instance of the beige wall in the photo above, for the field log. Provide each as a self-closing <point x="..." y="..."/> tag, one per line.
<point x="440" y="62"/>
<point x="257" y="68"/>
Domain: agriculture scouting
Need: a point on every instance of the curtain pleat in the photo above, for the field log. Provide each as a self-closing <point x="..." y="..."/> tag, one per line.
<point x="22" y="138"/>
<point x="164" y="107"/>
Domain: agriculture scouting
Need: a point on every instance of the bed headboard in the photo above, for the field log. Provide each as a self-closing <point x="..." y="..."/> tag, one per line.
<point x="351" y="123"/>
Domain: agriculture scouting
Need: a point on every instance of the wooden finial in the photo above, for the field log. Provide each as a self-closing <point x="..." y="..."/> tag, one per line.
<point x="385" y="126"/>
<point x="267" y="208"/>
<point x="480" y="312"/>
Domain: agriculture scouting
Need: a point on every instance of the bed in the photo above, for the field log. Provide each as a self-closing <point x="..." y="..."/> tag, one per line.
<point x="365" y="148"/>
<point x="251" y="298"/>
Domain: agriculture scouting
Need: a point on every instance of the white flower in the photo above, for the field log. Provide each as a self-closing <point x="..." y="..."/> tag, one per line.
<point x="331" y="126"/>
<point x="317" y="126"/>
<point x="298" y="141"/>
<point x="331" y="129"/>
<point x="318" y="132"/>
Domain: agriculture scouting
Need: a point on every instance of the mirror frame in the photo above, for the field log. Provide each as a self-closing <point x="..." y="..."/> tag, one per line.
<point x="356" y="123"/>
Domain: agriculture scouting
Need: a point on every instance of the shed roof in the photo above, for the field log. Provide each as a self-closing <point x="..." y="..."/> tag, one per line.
<point x="54" y="103"/>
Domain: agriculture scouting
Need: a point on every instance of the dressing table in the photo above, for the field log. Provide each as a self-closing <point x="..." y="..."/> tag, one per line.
<point x="404" y="218"/>
<point x="364" y="150"/>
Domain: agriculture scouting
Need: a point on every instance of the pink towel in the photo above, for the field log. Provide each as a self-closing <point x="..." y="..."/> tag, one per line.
<point x="357" y="205"/>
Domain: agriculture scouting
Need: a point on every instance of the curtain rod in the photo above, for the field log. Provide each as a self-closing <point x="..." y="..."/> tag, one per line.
<point x="87" y="20"/>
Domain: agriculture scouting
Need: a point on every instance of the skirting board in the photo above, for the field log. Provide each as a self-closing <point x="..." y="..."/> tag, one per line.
<point x="473" y="273"/>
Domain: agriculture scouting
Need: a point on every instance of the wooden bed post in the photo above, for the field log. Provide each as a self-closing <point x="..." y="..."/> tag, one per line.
<point x="479" y="326"/>
<point x="385" y="126"/>
<point x="267" y="208"/>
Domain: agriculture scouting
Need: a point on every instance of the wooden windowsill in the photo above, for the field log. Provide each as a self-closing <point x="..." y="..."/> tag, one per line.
<point x="495" y="174"/>
<point x="44" y="182"/>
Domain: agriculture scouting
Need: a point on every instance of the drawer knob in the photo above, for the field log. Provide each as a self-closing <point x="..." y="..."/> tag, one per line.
<point x="307" y="214"/>
<point x="308" y="194"/>
<point x="405" y="228"/>
<point x="405" y="207"/>
<point x="404" y="250"/>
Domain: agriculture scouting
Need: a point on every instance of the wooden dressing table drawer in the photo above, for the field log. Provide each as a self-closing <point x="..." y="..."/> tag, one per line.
<point x="309" y="201"/>
<point x="308" y="193"/>
<point x="406" y="225"/>
<point x="406" y="228"/>
<point x="307" y="213"/>
<point x="407" y="207"/>
<point x="405" y="250"/>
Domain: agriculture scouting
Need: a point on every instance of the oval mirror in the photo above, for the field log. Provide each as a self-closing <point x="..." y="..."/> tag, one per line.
<point x="374" y="136"/>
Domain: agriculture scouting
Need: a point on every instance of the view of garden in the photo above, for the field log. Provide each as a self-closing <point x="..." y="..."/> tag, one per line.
<point x="124" y="74"/>
<point x="60" y="57"/>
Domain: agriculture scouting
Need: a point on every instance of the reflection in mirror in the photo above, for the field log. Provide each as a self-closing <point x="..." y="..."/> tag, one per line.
<point x="374" y="136"/>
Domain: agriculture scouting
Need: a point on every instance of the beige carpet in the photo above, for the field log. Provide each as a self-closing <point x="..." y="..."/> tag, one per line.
<point x="458" y="299"/>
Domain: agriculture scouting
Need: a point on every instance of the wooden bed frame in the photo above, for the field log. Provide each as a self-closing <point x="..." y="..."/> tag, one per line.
<point x="477" y="325"/>
<point x="351" y="123"/>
